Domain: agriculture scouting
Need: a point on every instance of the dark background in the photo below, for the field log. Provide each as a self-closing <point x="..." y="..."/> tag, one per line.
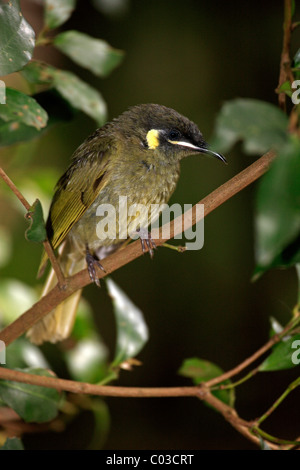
<point x="191" y="56"/>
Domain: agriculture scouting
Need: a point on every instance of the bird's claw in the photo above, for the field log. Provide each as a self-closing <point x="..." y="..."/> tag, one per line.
<point x="147" y="242"/>
<point x="92" y="262"/>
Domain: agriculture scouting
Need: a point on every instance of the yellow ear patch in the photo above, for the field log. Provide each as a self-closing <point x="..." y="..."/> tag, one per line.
<point x="153" y="139"/>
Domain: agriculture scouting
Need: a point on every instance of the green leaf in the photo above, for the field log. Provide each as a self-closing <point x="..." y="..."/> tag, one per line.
<point x="101" y="423"/>
<point x="80" y="95"/>
<point x="21" y="108"/>
<point x="132" y="331"/>
<point x="260" y="125"/>
<point x="37" y="231"/>
<point x="200" y="370"/>
<point x="21" y="353"/>
<point x="115" y="8"/>
<point x="88" y="360"/>
<point x="12" y="443"/>
<point x="285" y="88"/>
<point x="17" y="38"/>
<point x="282" y="356"/>
<point x="32" y="402"/>
<point x="296" y="65"/>
<point x="278" y="208"/>
<point x="57" y="109"/>
<point x="38" y="72"/>
<point x="58" y="12"/>
<point x="94" y="54"/>
<point x="5" y="245"/>
<point x="12" y="132"/>
<point x="76" y="92"/>
<point x="15" y="298"/>
<point x="263" y="444"/>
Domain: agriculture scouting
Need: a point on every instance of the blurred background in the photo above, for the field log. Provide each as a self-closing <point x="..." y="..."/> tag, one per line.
<point x="191" y="56"/>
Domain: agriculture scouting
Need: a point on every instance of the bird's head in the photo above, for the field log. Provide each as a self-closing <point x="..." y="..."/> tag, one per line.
<point x="162" y="132"/>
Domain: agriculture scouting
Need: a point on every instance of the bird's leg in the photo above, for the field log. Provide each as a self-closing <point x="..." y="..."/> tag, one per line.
<point x="146" y="240"/>
<point x="91" y="262"/>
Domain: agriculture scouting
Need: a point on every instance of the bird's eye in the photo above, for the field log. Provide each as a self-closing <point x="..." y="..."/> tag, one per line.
<point x="174" y="134"/>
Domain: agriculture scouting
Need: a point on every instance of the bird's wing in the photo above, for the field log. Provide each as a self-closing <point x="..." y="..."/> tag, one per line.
<point x="76" y="191"/>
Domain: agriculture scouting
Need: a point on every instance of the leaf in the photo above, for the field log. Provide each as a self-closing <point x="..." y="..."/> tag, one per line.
<point x="281" y="356"/>
<point x="21" y="108"/>
<point x="296" y="65"/>
<point x="32" y="402"/>
<point x="21" y="353"/>
<point x="289" y="257"/>
<point x="93" y="54"/>
<point x="87" y="361"/>
<point x="15" y="298"/>
<point x="115" y="8"/>
<point x="101" y="423"/>
<point x="263" y="444"/>
<point x="57" y="109"/>
<point x="38" y="72"/>
<point x="132" y="331"/>
<point x="285" y="88"/>
<point x="17" y="38"/>
<point x="80" y="95"/>
<point x="12" y="443"/>
<point x="277" y="223"/>
<point x="200" y="371"/>
<point x="260" y="125"/>
<point x="58" y="12"/>
<point x="5" y="245"/>
<point x="76" y="92"/>
<point x="37" y="231"/>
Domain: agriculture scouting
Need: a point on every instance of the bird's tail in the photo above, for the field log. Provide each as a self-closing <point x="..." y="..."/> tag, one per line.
<point x="57" y="325"/>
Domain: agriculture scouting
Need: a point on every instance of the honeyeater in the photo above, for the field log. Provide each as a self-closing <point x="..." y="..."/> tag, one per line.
<point x="136" y="156"/>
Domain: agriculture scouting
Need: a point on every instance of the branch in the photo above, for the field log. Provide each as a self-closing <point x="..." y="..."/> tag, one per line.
<point x="46" y="243"/>
<point x="133" y="250"/>
<point x="275" y="339"/>
<point x="201" y="392"/>
<point x="285" y="61"/>
<point x="12" y="186"/>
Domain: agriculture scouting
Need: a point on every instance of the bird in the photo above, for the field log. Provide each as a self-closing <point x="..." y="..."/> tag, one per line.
<point x="137" y="156"/>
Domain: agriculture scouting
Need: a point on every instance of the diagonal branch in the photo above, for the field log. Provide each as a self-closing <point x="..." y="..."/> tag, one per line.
<point x="133" y="250"/>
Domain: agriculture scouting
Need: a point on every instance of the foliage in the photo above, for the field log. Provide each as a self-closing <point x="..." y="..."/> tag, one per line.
<point x="19" y="42"/>
<point x="56" y="96"/>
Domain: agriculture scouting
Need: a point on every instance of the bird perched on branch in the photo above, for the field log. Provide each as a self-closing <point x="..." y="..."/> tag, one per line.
<point x="135" y="156"/>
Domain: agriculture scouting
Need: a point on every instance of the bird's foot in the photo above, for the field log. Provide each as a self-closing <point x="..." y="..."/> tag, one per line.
<point x="146" y="241"/>
<point x="92" y="262"/>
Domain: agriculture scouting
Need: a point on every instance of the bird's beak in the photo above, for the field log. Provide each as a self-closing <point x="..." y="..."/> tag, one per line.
<point x="200" y="149"/>
<point x="214" y="154"/>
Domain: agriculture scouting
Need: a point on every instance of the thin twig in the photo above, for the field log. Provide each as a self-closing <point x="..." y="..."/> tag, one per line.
<point x="243" y="365"/>
<point x="13" y="187"/>
<point x="62" y="282"/>
<point x="285" y="61"/>
<point x="279" y="400"/>
<point x="46" y="243"/>
<point x="133" y="250"/>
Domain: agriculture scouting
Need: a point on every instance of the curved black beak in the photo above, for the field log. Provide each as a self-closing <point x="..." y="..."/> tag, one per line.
<point x="214" y="154"/>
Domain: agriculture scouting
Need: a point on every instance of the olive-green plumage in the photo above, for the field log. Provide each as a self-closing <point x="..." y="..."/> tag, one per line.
<point x="136" y="155"/>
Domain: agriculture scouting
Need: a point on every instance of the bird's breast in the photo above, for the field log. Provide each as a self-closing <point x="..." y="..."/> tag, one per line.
<point x="129" y="201"/>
